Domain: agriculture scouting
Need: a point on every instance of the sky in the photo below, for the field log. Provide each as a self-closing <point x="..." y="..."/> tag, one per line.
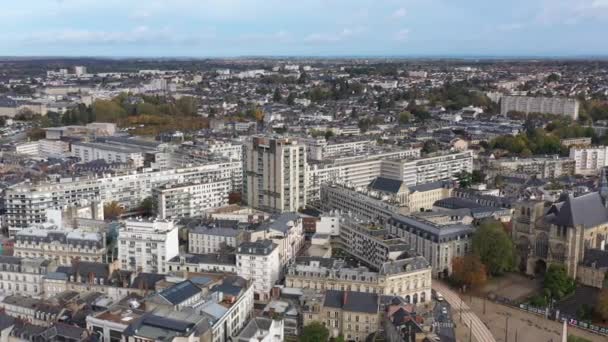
<point x="218" y="28"/>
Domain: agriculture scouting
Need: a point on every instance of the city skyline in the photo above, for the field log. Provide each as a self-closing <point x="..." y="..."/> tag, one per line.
<point x="187" y="28"/>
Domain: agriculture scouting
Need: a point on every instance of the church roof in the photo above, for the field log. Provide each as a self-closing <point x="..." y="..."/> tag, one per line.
<point x="587" y="211"/>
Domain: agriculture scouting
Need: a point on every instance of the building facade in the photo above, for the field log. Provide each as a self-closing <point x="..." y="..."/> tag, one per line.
<point x="545" y="105"/>
<point x="589" y="160"/>
<point x="275" y="174"/>
<point x="259" y="262"/>
<point x="205" y="240"/>
<point x="146" y="246"/>
<point x="176" y="201"/>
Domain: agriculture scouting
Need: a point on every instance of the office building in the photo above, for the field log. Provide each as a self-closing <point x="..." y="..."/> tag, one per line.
<point x="437" y="243"/>
<point x="146" y="246"/>
<point x="275" y="174"/>
<point x="544" y="105"/>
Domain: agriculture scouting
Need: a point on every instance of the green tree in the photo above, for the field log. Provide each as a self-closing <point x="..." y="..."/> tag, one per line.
<point x="147" y="206"/>
<point x="557" y="284"/>
<point x="314" y="332"/>
<point x="329" y="134"/>
<point x="553" y="77"/>
<point x="478" y="177"/>
<point x="108" y="111"/>
<point x="464" y="179"/>
<point x="494" y="247"/>
<point x="405" y="117"/>
<point x="291" y="99"/>
<point x="277" y="97"/>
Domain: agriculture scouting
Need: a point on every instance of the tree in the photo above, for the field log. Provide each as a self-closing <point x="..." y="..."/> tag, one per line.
<point x="364" y="124"/>
<point x="147" y="206"/>
<point x="494" y="247"/>
<point x="314" y="332"/>
<point x="557" y="283"/>
<point x="112" y="210"/>
<point x="469" y="270"/>
<point x="478" y="177"/>
<point x="464" y="179"/>
<point x="329" y="134"/>
<point x="553" y="77"/>
<point x="405" y="117"/>
<point x="430" y="146"/>
<point x="277" y="97"/>
<point x="602" y="304"/>
<point x="291" y="99"/>
<point x="108" y="111"/>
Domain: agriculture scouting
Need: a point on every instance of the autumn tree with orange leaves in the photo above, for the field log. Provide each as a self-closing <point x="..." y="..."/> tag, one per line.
<point x="469" y="271"/>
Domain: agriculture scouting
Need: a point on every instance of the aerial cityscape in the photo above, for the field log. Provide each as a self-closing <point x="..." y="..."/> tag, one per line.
<point x="266" y="171"/>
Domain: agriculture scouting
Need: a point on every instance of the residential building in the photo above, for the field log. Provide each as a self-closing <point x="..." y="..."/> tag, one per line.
<point x="202" y="263"/>
<point x="211" y="239"/>
<point x="275" y="174"/>
<point x="262" y="329"/>
<point x="259" y="262"/>
<point x="62" y="246"/>
<point x="589" y="160"/>
<point x="541" y="167"/>
<point x="349" y="201"/>
<point x="146" y="246"/>
<point x="21" y="276"/>
<point x="437" y="243"/>
<point x="26" y="203"/>
<point x="593" y="270"/>
<point x="545" y="105"/>
<point x="371" y="243"/>
<point x="408" y="278"/>
<point x="185" y="200"/>
<point x="572" y="142"/>
<point x="353" y="315"/>
<point x="286" y="231"/>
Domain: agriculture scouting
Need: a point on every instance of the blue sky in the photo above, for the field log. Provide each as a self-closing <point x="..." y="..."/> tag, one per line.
<point x="201" y="28"/>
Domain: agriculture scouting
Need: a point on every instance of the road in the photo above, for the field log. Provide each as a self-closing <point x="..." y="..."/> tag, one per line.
<point x="479" y="329"/>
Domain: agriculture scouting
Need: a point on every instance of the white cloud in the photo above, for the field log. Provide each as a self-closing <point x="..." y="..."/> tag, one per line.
<point x="334" y="37"/>
<point x="399" y="13"/>
<point x="280" y="36"/>
<point x="402" y="35"/>
<point x="141" y="14"/>
<point x="138" y="35"/>
<point x="571" y="12"/>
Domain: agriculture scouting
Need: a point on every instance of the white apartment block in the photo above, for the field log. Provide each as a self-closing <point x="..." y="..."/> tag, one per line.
<point x="26" y="203"/>
<point x="438" y="244"/>
<point x="63" y="246"/>
<point x="350" y="201"/>
<point x="430" y="169"/>
<point x="320" y="149"/>
<point x="204" y="240"/>
<point x="44" y="148"/>
<point x="275" y="174"/>
<point x="146" y="246"/>
<point x="225" y="149"/>
<point x="546" y="105"/>
<point x="88" y="152"/>
<point x="356" y="170"/>
<point x="21" y="276"/>
<point x="589" y="160"/>
<point x="176" y="201"/>
<point x="259" y="262"/>
<point x="286" y="231"/>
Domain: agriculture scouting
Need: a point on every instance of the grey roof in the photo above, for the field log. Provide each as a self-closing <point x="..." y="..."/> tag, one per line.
<point x="587" y="211"/>
<point x="595" y="258"/>
<point x="428" y="186"/>
<point x="404" y="265"/>
<point x="86" y="268"/>
<point x="260" y="247"/>
<point x="386" y="185"/>
<point x="279" y="222"/>
<point x="253" y="327"/>
<point x="147" y="280"/>
<point x="216" y="231"/>
<point x="6" y="321"/>
<point x="215" y="258"/>
<point x="437" y="233"/>
<point x="180" y="292"/>
<point x="352" y="301"/>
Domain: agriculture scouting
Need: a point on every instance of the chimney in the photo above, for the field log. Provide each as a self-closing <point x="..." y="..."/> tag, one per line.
<point x="344" y="298"/>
